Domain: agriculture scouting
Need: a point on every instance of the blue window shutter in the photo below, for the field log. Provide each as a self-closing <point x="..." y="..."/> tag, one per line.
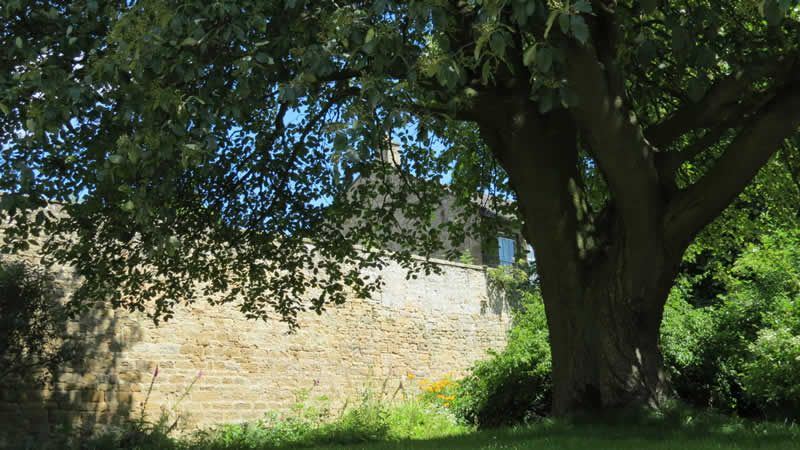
<point x="506" y="251"/>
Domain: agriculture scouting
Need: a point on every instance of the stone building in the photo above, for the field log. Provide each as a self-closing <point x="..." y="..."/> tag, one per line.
<point x="502" y="245"/>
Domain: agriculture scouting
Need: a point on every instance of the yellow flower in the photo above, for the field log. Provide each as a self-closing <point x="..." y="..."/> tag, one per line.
<point x="411" y="376"/>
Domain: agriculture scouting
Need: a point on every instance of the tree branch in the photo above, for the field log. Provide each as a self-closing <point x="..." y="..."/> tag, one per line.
<point x="668" y="163"/>
<point x="761" y="137"/>
<point x="718" y="105"/>
<point x="728" y="99"/>
<point x="614" y="137"/>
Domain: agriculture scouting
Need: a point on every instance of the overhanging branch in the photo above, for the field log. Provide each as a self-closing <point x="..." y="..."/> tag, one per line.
<point x="696" y="206"/>
<point x="728" y="99"/>
<point x="718" y="105"/>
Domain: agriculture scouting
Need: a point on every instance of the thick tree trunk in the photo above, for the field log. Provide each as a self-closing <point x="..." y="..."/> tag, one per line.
<point x="604" y="279"/>
<point x="604" y="332"/>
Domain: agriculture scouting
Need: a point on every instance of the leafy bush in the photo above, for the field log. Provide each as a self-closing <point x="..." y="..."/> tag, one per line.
<point x="512" y="385"/>
<point x="772" y="376"/>
<point x="735" y="355"/>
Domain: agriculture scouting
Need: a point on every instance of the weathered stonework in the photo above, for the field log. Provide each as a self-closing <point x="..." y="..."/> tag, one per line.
<point x="432" y="326"/>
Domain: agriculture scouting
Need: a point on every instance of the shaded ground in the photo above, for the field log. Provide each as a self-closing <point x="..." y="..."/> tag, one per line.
<point x="607" y="438"/>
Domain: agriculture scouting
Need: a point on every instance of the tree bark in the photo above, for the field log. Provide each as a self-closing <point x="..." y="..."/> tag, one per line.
<point x="604" y="332"/>
<point x="604" y="287"/>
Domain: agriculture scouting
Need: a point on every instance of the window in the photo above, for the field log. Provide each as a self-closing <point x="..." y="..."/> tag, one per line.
<point x="507" y="251"/>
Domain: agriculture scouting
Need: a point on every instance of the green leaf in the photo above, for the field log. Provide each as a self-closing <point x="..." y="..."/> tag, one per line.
<point x="544" y="59"/>
<point x="550" y="20"/>
<point x="287" y="94"/>
<point x="582" y="6"/>
<point x="563" y="22"/>
<point x="486" y="72"/>
<point x="568" y="97"/>
<point x="18" y="42"/>
<point x="264" y="58"/>
<point x="173" y="243"/>
<point x="4" y="109"/>
<point x="116" y="159"/>
<point x="546" y="101"/>
<point x="128" y="206"/>
<point x="579" y="29"/>
<point x="529" y="57"/>
<point x="497" y="44"/>
<point x="133" y="154"/>
<point x="340" y="141"/>
<point x="370" y="36"/>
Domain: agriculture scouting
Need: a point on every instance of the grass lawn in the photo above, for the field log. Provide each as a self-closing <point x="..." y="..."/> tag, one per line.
<point x="418" y="426"/>
<point x="584" y="437"/>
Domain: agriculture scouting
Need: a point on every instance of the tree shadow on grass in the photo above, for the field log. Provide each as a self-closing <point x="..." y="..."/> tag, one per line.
<point x="656" y="435"/>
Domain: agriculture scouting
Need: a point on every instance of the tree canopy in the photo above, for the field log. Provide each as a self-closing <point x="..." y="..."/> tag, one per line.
<point x="210" y="144"/>
<point x="159" y="123"/>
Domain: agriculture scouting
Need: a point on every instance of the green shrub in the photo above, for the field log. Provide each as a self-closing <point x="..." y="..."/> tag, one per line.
<point x="512" y="385"/>
<point x="772" y="375"/>
<point x="422" y="420"/>
<point x="733" y="355"/>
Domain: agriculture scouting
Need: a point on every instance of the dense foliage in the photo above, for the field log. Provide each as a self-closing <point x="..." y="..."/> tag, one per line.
<point x="741" y="352"/>
<point x="241" y="121"/>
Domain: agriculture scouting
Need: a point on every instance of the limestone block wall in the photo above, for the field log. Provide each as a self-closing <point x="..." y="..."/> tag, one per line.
<point x="215" y="366"/>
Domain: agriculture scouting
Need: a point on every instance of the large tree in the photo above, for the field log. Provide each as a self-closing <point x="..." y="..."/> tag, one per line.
<point x="209" y="145"/>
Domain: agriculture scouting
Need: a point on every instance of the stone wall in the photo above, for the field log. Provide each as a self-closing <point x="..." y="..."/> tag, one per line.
<point x="214" y="366"/>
